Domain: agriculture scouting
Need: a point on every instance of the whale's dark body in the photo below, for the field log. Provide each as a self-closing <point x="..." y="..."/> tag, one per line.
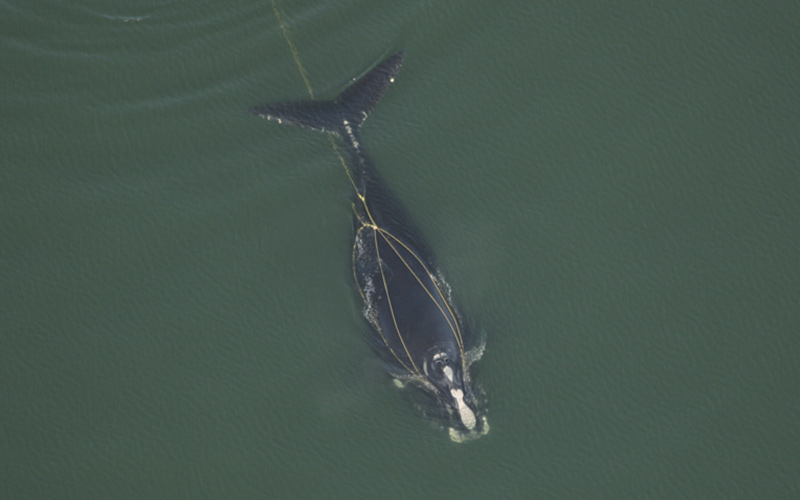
<point x="415" y="327"/>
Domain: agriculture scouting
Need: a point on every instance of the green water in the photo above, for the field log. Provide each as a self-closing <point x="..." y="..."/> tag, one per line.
<point x="611" y="191"/>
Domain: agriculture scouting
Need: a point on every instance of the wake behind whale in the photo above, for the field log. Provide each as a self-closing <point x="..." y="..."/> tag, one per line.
<point x="415" y="327"/>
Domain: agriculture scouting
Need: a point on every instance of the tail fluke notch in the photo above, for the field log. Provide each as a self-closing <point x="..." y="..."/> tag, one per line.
<point x="353" y="105"/>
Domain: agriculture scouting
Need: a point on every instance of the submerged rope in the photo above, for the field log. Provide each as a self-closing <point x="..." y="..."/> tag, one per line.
<point x="377" y="230"/>
<point x="281" y="17"/>
<point x="296" y="55"/>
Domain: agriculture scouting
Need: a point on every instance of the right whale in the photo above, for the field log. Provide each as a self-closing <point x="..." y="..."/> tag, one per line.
<point x="415" y="327"/>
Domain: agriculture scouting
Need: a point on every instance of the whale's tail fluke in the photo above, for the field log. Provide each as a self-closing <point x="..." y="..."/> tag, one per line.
<point x="349" y="109"/>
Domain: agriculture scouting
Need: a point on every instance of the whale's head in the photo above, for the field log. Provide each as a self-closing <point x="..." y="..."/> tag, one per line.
<point x="445" y="371"/>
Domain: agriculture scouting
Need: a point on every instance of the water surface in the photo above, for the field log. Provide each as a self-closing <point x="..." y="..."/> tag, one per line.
<point x="610" y="190"/>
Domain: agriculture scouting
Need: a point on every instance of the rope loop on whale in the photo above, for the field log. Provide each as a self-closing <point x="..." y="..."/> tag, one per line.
<point x="388" y="237"/>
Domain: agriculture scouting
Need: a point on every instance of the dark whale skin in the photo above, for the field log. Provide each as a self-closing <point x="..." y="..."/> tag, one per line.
<point x="415" y="328"/>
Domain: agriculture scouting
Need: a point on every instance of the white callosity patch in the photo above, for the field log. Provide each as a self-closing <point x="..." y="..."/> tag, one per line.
<point x="466" y="414"/>
<point x="448" y="372"/>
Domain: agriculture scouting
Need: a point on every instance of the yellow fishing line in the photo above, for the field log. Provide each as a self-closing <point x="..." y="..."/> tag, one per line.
<point x="454" y="328"/>
<point x="281" y="18"/>
<point x="279" y="15"/>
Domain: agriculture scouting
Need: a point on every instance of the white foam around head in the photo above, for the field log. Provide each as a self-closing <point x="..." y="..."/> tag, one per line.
<point x="458" y="436"/>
